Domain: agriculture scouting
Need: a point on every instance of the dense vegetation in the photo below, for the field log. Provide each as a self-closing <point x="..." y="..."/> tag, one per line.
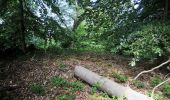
<point x="135" y="29"/>
<point x="138" y="28"/>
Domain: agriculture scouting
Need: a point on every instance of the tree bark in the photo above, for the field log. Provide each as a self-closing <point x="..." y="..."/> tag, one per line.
<point x="22" y="27"/>
<point x="110" y="87"/>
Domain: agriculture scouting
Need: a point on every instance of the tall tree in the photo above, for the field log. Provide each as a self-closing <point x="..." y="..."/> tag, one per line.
<point x="22" y="26"/>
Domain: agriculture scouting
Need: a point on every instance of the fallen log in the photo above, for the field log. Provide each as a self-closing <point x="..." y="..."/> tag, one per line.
<point x="110" y="87"/>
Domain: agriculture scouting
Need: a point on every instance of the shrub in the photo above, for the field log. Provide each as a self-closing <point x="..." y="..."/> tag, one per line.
<point x="147" y="42"/>
<point x="37" y="89"/>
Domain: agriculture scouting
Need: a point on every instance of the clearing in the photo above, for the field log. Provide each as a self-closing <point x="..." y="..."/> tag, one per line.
<point x="50" y="76"/>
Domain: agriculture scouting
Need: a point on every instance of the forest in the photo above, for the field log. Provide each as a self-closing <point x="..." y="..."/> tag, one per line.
<point x="84" y="49"/>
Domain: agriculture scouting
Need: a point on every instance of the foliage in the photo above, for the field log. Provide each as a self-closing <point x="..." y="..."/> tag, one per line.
<point x="138" y="84"/>
<point x="37" y="89"/>
<point x="139" y="29"/>
<point x="119" y="77"/>
<point x="64" y="97"/>
<point x="97" y="97"/>
<point x="95" y="87"/>
<point x="166" y="89"/>
<point x="155" y="81"/>
<point x="77" y="86"/>
<point x="147" y="42"/>
<point x="117" y="26"/>
<point x="157" y="96"/>
<point x="58" y="81"/>
<point x="74" y="86"/>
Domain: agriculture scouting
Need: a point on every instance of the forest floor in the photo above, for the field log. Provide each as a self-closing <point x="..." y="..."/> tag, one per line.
<point x="39" y="68"/>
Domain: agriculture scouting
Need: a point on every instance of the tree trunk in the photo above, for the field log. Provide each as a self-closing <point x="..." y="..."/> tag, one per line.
<point x="111" y="87"/>
<point x="166" y="12"/>
<point x="22" y="26"/>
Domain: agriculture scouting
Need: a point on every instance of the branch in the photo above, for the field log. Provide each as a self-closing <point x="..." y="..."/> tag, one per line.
<point x="152" y="69"/>
<point x="152" y="95"/>
<point x="166" y="75"/>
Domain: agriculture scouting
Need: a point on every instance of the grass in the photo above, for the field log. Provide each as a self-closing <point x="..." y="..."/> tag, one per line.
<point x="155" y="81"/>
<point x="119" y="77"/>
<point x="37" y="89"/>
<point x="158" y="96"/>
<point x="104" y="97"/>
<point x="95" y="87"/>
<point x="64" y="97"/>
<point x="58" y="81"/>
<point x="166" y="89"/>
<point x="75" y="86"/>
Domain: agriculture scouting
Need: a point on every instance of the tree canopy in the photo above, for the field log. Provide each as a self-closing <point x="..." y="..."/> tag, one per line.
<point x="138" y="28"/>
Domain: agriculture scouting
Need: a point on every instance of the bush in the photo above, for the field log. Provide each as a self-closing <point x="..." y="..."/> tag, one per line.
<point x="37" y="89"/>
<point x="146" y="42"/>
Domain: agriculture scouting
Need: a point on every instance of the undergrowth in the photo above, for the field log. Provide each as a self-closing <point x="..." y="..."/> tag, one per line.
<point x="119" y="77"/>
<point x="64" y="97"/>
<point x="155" y="81"/>
<point x="37" y="89"/>
<point x="166" y="89"/>
<point x="138" y="84"/>
<point x="59" y="81"/>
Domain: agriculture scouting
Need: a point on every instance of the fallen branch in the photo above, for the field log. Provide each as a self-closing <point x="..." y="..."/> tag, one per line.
<point x="147" y="71"/>
<point x="110" y="87"/>
<point x="166" y="75"/>
<point x="152" y="95"/>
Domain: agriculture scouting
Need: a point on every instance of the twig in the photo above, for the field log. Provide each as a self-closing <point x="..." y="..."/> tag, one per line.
<point x="166" y="75"/>
<point x="152" y="95"/>
<point x="152" y="69"/>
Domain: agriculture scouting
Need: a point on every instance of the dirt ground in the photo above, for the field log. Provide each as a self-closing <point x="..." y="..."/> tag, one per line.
<point x="23" y="71"/>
